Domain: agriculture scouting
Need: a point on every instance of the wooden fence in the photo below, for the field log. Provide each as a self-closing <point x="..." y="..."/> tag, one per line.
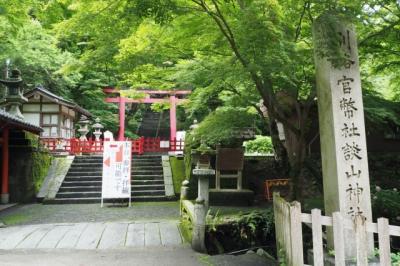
<point x="289" y="236"/>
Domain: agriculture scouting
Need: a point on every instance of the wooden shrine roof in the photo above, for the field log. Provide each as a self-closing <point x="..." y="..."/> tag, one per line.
<point x="10" y="119"/>
<point x="57" y="99"/>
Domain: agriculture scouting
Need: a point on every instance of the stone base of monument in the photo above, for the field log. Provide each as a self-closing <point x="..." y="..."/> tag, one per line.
<point x="330" y="260"/>
<point x="231" y="197"/>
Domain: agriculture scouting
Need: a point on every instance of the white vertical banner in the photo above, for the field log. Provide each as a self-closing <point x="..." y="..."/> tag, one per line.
<point x="116" y="181"/>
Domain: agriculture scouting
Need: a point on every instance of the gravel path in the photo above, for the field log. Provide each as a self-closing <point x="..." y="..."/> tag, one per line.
<point x="79" y="213"/>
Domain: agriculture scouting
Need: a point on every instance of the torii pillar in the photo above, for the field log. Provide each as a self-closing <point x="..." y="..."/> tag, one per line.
<point x="172" y="116"/>
<point x="173" y="100"/>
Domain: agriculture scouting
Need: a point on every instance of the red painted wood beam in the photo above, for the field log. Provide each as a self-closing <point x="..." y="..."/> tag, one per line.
<point x="121" y="132"/>
<point x="145" y="100"/>
<point x="167" y="92"/>
<point x="172" y="116"/>
<point x="5" y="161"/>
<point x="179" y="92"/>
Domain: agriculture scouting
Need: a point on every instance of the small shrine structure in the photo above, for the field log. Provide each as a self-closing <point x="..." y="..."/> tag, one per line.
<point x="56" y="115"/>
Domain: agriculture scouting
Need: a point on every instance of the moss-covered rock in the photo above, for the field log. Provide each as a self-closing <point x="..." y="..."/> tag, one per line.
<point x="178" y="172"/>
<point x="41" y="162"/>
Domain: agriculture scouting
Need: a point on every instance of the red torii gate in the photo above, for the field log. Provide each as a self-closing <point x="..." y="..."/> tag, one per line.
<point x="173" y="100"/>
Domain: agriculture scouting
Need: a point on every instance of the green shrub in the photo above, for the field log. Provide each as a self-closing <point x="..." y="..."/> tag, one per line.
<point x="262" y="144"/>
<point x="242" y="231"/>
<point x="220" y="127"/>
<point x="386" y="203"/>
<point x="395" y="259"/>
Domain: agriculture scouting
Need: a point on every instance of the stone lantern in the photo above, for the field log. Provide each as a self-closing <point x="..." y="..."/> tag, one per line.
<point x="203" y="172"/>
<point x="97" y="127"/>
<point x="83" y="127"/>
<point x="14" y="96"/>
<point x="194" y="125"/>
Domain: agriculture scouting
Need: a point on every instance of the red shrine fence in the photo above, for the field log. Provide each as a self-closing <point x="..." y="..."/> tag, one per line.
<point x="139" y="146"/>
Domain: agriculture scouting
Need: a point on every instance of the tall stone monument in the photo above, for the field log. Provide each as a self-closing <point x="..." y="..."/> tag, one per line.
<point x="341" y="123"/>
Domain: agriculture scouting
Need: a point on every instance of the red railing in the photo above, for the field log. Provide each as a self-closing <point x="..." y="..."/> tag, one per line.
<point x="139" y="146"/>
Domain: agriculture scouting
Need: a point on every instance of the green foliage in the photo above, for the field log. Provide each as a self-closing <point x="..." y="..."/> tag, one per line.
<point x="230" y="53"/>
<point x="262" y="144"/>
<point x="241" y="231"/>
<point x="395" y="257"/>
<point x="220" y="127"/>
<point x="186" y="230"/>
<point x="328" y="45"/>
<point x="386" y="203"/>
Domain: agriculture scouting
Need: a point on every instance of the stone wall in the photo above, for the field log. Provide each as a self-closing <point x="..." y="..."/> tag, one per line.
<point x="28" y="166"/>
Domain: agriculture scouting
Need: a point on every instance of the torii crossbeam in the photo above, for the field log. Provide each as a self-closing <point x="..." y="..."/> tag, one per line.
<point x="172" y="99"/>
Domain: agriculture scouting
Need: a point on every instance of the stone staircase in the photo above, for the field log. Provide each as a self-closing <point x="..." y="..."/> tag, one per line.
<point x="147" y="178"/>
<point x="82" y="183"/>
<point x="154" y="125"/>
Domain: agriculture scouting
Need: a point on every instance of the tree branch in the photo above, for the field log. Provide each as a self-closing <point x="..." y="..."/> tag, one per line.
<point x="298" y="29"/>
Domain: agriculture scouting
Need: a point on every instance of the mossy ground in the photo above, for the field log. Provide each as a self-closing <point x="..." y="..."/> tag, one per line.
<point x="14" y="219"/>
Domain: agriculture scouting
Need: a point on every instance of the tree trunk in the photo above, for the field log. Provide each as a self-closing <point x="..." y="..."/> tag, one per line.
<point x="296" y="150"/>
<point x="281" y="156"/>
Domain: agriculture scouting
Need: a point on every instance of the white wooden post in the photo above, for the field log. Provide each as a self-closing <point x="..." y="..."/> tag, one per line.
<point x="318" y="251"/>
<point x="218" y="180"/>
<point x="361" y="240"/>
<point x="338" y="238"/>
<point x="384" y="242"/>
<point x="239" y="181"/>
<point x="278" y="222"/>
<point x="286" y="233"/>
<point x="296" y="235"/>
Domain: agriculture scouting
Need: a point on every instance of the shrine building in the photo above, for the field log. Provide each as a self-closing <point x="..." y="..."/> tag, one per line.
<point x="54" y="114"/>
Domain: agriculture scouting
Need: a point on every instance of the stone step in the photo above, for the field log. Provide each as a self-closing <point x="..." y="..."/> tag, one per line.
<point x="147" y="182"/>
<point x="82" y="178"/>
<point x="81" y="183"/>
<point x="147" y="192"/>
<point x="86" y="166"/>
<point x="85" y="194"/>
<point x="152" y="198"/>
<point x="79" y="189"/>
<point x="139" y="168"/>
<point x="80" y="173"/>
<point x="147" y="165"/>
<point x="88" y="158"/>
<point x="144" y="172"/>
<point x="148" y="159"/>
<point x="147" y="177"/>
<point x="72" y="200"/>
<point x="98" y="200"/>
<point x="147" y="187"/>
<point x="153" y="158"/>
<point x="75" y="169"/>
<point x="134" y="187"/>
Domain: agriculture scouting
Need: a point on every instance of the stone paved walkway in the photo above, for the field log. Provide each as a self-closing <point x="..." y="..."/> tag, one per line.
<point x="110" y="235"/>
